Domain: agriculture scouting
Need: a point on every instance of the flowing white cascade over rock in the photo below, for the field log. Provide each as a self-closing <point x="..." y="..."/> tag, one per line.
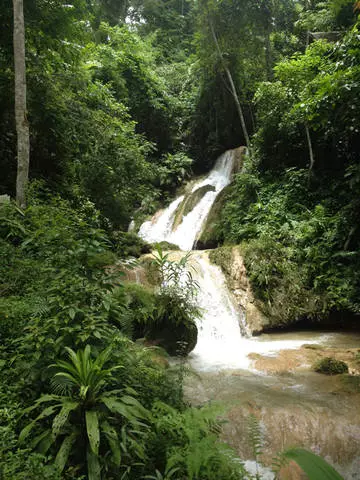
<point x="160" y="227"/>
<point x="222" y="343"/>
<point x="222" y="340"/>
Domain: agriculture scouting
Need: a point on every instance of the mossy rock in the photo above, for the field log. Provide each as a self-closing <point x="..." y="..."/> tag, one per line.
<point x="151" y="271"/>
<point x="166" y="245"/>
<point x="128" y="244"/>
<point x="177" y="340"/>
<point x="313" y="346"/>
<point x="222" y="257"/>
<point x="189" y="203"/>
<point x="211" y="235"/>
<point x="330" y="366"/>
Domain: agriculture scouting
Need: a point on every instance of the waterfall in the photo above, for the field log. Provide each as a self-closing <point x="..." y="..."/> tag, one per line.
<point x="221" y="341"/>
<point x="161" y="226"/>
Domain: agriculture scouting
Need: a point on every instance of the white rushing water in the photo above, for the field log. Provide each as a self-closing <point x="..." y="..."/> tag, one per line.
<point x="221" y="344"/>
<point x="160" y="227"/>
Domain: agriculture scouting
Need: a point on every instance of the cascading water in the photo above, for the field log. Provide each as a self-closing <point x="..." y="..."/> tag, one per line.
<point x="290" y="408"/>
<point x="221" y="340"/>
<point x="161" y="227"/>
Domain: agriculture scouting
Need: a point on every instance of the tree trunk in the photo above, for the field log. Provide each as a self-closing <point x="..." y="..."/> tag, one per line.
<point x="233" y="90"/>
<point x="268" y="57"/>
<point x="311" y="153"/>
<point x="22" y="126"/>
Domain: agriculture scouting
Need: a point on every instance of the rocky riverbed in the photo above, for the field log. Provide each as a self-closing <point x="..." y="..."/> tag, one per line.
<point x="293" y="405"/>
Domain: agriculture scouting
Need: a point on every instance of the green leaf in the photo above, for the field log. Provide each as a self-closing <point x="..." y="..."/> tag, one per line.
<point x="314" y="466"/>
<point x="43" y="441"/>
<point x="141" y="411"/>
<point x="45" y="413"/>
<point x="62" y="416"/>
<point x="93" y="432"/>
<point x="42" y="399"/>
<point x="94" y="470"/>
<point x="64" y="451"/>
<point x="115" y="406"/>
<point x="113" y="441"/>
<point x="26" y="430"/>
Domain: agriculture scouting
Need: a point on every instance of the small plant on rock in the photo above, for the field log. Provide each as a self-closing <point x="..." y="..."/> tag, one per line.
<point x="330" y="366"/>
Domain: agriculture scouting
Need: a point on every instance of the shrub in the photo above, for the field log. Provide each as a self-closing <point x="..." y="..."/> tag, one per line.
<point x="166" y="246"/>
<point x="330" y="366"/>
<point x="128" y="244"/>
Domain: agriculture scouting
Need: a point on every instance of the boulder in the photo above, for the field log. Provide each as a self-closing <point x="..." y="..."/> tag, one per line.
<point x="189" y="203"/>
<point x="175" y="339"/>
<point x="210" y="235"/>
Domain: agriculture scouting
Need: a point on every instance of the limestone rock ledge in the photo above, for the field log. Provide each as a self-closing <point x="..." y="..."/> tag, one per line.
<point x="232" y="263"/>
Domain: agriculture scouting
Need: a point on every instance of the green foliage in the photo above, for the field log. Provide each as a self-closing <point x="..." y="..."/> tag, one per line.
<point x="222" y="257"/>
<point x="189" y="441"/>
<point x="295" y="241"/>
<point x="119" y="114"/>
<point x="327" y="16"/>
<point x="330" y="366"/>
<point x="166" y="246"/>
<point x="317" y="88"/>
<point x="172" y="324"/>
<point x="128" y="244"/>
<point x="86" y="412"/>
<point x="312" y="465"/>
<point x="174" y="169"/>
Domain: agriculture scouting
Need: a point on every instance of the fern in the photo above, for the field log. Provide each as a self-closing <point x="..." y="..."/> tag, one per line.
<point x="41" y="307"/>
<point x="256" y="440"/>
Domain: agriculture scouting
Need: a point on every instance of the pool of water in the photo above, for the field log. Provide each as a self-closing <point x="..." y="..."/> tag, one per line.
<point x="294" y="409"/>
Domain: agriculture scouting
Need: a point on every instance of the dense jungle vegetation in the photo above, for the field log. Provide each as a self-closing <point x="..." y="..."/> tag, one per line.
<point x="126" y="100"/>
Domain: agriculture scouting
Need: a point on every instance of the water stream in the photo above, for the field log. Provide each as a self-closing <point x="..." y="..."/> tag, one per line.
<point x="162" y="226"/>
<point x="294" y="408"/>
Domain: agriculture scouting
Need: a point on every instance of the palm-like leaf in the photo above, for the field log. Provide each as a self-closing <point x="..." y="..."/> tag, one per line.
<point x="82" y="372"/>
<point x="64" y="451"/>
<point x="315" y="467"/>
<point x="81" y="380"/>
<point x="92" y="429"/>
<point x="113" y="440"/>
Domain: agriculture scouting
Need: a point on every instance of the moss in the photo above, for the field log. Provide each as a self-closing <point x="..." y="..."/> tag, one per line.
<point x="189" y="203"/>
<point x="222" y="257"/>
<point x="128" y="244"/>
<point x="351" y="383"/>
<point x="151" y="270"/>
<point x="330" y="366"/>
<point x="175" y="339"/>
<point x="211" y="235"/>
<point x="313" y="346"/>
<point x="166" y="246"/>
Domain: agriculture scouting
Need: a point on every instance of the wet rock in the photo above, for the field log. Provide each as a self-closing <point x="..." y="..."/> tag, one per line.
<point x="210" y="236"/>
<point x="239" y="159"/>
<point x="176" y="340"/>
<point x="189" y="203"/>
<point x="232" y="264"/>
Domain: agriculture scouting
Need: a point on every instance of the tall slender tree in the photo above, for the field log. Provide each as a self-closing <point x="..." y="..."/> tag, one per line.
<point x="232" y="88"/>
<point x="22" y="125"/>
